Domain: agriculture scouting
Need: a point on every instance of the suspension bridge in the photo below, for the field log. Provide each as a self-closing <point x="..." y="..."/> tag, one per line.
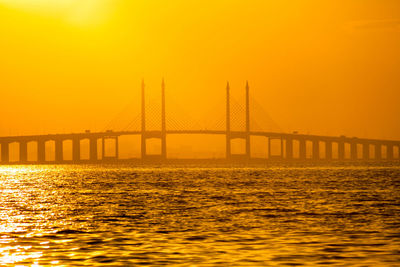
<point x="291" y="146"/>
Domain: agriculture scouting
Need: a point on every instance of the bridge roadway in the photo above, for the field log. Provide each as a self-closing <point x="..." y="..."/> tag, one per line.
<point x="156" y="134"/>
<point x="382" y="149"/>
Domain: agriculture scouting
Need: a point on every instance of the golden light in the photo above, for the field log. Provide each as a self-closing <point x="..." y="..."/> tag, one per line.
<point x="79" y="12"/>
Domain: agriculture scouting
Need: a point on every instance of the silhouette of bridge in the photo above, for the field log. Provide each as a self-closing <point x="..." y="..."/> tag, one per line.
<point x="360" y="149"/>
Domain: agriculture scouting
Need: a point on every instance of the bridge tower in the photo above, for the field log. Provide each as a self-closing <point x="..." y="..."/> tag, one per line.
<point x="248" y="152"/>
<point x="237" y="135"/>
<point x="228" y="123"/>
<point x="143" y="133"/>
<point x="162" y="135"/>
<point x="163" y="123"/>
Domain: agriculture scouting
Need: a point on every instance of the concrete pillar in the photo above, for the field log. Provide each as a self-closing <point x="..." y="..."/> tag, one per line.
<point x="398" y="152"/>
<point x="341" y="150"/>
<point x="248" y="151"/>
<point x="76" y="150"/>
<point x="143" y="146"/>
<point x="315" y="153"/>
<point x="228" y="151"/>
<point x="366" y="155"/>
<point x="389" y="153"/>
<point x="164" y="146"/>
<point x="5" y="153"/>
<point x="378" y="151"/>
<point x="143" y="131"/>
<point x="269" y="147"/>
<point x="41" y="151"/>
<point x="303" y="151"/>
<point x="353" y="151"/>
<point x="248" y="146"/>
<point x="93" y="149"/>
<point x="117" y="148"/>
<point x="328" y="150"/>
<point x="59" y="150"/>
<point x="163" y="124"/>
<point x="289" y="148"/>
<point x="23" y="151"/>
<point x="103" y="148"/>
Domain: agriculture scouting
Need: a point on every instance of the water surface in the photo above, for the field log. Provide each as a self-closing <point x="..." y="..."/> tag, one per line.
<point x="87" y="215"/>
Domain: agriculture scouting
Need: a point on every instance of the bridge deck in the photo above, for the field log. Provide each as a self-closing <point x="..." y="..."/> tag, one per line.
<point x="88" y="135"/>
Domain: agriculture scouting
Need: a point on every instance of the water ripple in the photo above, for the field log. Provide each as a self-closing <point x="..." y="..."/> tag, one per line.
<point x="89" y="215"/>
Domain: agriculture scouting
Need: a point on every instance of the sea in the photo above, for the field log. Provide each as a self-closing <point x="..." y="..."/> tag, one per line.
<point x="272" y="215"/>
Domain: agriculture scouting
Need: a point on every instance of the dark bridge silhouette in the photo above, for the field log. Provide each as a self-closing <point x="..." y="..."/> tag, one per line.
<point x="360" y="148"/>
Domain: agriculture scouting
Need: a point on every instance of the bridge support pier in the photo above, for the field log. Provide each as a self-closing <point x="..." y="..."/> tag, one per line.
<point x="93" y="153"/>
<point x="289" y="148"/>
<point x="164" y="146"/>
<point x="366" y="155"/>
<point x="270" y="156"/>
<point x="146" y="135"/>
<point x="103" y="148"/>
<point x="5" y="153"/>
<point x="228" y="150"/>
<point x="398" y="152"/>
<point x="163" y="124"/>
<point x="76" y="150"/>
<point x="23" y="151"/>
<point x="378" y="152"/>
<point x="315" y="154"/>
<point x="59" y="151"/>
<point x="244" y="136"/>
<point x="93" y="149"/>
<point x="353" y="151"/>
<point x="143" y="146"/>
<point x="41" y="151"/>
<point x="341" y="150"/>
<point x="389" y="152"/>
<point x="248" y="152"/>
<point x="303" y="149"/>
<point x="116" y="148"/>
<point x="328" y="150"/>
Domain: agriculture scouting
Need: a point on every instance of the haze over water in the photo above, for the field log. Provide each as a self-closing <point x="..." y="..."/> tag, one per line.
<point x="318" y="67"/>
<point x="91" y="215"/>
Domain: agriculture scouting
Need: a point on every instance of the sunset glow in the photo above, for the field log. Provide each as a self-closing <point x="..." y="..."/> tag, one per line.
<point x="308" y="62"/>
<point x="78" y="12"/>
<point x="199" y="132"/>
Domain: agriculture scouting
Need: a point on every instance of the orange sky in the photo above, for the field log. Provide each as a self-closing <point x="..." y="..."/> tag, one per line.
<point x="323" y="67"/>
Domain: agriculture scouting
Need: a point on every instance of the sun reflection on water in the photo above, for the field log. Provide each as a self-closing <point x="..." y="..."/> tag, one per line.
<point x="15" y="254"/>
<point x="129" y="216"/>
<point x="12" y="224"/>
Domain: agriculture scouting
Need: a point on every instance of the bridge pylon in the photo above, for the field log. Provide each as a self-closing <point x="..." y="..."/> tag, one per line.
<point x="143" y="117"/>
<point x="162" y="135"/>
<point x="163" y="123"/>
<point x="230" y="135"/>
<point x="248" y="151"/>
<point x="228" y="124"/>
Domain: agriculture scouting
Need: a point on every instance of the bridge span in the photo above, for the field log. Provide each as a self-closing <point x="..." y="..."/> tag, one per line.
<point x="306" y="147"/>
<point x="293" y="146"/>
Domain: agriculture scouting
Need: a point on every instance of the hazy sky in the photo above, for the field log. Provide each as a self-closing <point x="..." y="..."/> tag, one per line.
<point x="323" y="67"/>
